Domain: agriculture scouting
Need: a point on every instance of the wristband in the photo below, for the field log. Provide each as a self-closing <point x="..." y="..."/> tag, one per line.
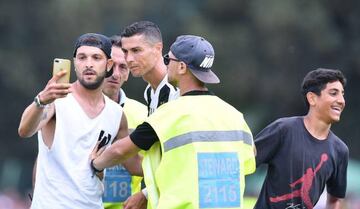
<point x="93" y="167"/>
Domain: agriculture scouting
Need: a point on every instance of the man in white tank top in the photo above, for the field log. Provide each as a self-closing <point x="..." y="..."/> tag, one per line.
<point x="70" y="120"/>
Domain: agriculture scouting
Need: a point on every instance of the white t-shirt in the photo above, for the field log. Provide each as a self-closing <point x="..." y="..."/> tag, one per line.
<point x="64" y="178"/>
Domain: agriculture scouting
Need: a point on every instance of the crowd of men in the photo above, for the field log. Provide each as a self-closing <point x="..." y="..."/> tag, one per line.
<point x="186" y="147"/>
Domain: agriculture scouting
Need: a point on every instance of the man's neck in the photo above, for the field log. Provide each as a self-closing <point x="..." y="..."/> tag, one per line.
<point x="188" y="83"/>
<point x="115" y="97"/>
<point x="316" y="127"/>
<point x="155" y="76"/>
<point x="194" y="88"/>
<point x="91" y="96"/>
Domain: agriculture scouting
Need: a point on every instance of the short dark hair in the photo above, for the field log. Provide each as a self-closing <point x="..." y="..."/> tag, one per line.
<point x="149" y="29"/>
<point x="315" y="81"/>
<point x="116" y="40"/>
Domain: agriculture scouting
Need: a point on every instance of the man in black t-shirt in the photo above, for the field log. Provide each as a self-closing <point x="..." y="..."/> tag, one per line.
<point x="302" y="153"/>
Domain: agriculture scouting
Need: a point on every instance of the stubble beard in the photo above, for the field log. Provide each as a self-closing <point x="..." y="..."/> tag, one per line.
<point x="94" y="85"/>
<point x="173" y="81"/>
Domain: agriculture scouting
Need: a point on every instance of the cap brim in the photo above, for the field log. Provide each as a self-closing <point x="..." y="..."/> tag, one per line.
<point x="205" y="76"/>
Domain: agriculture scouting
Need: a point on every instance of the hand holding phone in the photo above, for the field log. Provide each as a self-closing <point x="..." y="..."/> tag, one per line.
<point x="59" y="65"/>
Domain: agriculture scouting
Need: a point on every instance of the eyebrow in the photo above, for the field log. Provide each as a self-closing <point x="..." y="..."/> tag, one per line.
<point x="337" y="90"/>
<point x="136" y="47"/>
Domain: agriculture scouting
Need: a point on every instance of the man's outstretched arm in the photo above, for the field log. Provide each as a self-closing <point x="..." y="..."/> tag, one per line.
<point x="116" y="154"/>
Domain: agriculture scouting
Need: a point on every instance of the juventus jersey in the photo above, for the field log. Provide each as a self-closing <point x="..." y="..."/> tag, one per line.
<point x="164" y="92"/>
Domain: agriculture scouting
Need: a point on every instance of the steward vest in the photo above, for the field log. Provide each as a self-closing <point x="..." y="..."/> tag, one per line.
<point x="206" y="151"/>
<point x="119" y="184"/>
<point x="164" y="93"/>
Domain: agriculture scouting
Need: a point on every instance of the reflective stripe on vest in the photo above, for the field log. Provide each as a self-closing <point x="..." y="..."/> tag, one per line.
<point x="209" y="172"/>
<point x="207" y="136"/>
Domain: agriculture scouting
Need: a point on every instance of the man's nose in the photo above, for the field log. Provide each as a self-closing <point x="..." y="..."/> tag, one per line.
<point x="116" y="72"/>
<point x="341" y="99"/>
<point x="129" y="57"/>
<point x="89" y="63"/>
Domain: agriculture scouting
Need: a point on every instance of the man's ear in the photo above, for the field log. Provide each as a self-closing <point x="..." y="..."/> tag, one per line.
<point x="109" y="64"/>
<point x="109" y="68"/>
<point x="159" y="47"/>
<point x="74" y="63"/>
<point x="182" y="68"/>
<point x="311" y="98"/>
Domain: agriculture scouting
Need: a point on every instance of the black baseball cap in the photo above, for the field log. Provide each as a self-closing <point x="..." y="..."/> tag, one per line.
<point x="198" y="54"/>
<point x="94" y="39"/>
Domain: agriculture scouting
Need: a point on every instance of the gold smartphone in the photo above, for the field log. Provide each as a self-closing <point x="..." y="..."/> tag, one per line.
<point x="59" y="65"/>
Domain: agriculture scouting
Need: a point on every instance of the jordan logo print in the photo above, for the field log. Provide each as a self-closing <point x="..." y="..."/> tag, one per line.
<point x="307" y="181"/>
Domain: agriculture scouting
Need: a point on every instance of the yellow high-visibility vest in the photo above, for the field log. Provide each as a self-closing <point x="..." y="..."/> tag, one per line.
<point x="119" y="185"/>
<point x="206" y="150"/>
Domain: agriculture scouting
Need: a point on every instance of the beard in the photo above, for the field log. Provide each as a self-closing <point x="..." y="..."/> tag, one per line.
<point x="93" y="85"/>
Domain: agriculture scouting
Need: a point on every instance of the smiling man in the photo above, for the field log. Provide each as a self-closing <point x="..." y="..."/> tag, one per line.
<point x="302" y="153"/>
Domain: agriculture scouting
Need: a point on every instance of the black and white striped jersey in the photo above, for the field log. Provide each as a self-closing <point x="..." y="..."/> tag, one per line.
<point x="164" y="92"/>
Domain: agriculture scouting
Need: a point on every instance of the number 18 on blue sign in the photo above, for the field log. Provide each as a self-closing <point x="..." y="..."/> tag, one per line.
<point x="219" y="180"/>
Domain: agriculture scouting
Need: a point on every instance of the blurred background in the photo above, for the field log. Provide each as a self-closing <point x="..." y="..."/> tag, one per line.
<point x="263" y="50"/>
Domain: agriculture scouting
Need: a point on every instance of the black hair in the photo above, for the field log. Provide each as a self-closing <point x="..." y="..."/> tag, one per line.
<point x="315" y="81"/>
<point x="116" y="40"/>
<point x="149" y="29"/>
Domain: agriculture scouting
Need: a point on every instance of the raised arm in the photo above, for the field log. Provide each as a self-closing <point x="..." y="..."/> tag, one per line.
<point x="36" y="116"/>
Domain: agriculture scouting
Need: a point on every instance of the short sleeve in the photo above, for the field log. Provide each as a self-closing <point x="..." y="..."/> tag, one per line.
<point x="144" y="136"/>
<point x="336" y="185"/>
<point x="267" y="142"/>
